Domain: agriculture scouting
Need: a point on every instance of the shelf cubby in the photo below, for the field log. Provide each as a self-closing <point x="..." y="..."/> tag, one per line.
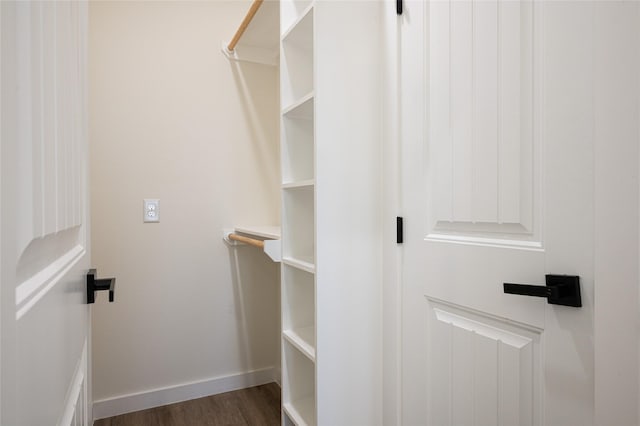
<point x="298" y="149"/>
<point x="296" y="60"/>
<point x="298" y="241"/>
<point x="301" y="412"/>
<point x="298" y="319"/>
<point x="291" y="11"/>
<point x="298" y="401"/>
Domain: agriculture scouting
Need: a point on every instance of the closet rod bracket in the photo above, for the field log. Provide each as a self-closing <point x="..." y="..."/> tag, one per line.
<point x="271" y="248"/>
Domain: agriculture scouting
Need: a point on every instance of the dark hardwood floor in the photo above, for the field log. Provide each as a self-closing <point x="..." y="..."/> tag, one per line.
<point x="255" y="406"/>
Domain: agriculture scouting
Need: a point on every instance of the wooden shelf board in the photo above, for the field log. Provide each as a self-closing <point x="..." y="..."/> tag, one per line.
<point x="301" y="412"/>
<point x="302" y="339"/>
<point x="305" y="264"/>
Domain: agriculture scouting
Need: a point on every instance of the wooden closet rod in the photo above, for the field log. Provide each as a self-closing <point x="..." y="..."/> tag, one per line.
<point x="245" y="23"/>
<point x="247" y="240"/>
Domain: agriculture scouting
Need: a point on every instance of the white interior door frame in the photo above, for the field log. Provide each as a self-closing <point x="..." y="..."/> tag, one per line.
<point x="392" y="208"/>
<point x="617" y="164"/>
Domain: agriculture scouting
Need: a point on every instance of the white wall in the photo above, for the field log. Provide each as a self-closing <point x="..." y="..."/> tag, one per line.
<point x="172" y="118"/>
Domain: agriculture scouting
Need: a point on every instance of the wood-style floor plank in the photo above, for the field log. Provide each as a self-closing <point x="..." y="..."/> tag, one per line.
<point x="257" y="406"/>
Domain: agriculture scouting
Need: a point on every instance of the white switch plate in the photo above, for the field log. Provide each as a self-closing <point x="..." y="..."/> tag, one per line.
<point x="151" y="212"/>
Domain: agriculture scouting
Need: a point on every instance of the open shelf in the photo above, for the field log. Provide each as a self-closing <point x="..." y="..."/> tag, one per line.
<point x="303" y="340"/>
<point x="266" y="238"/>
<point x="298" y="223"/>
<point x="298" y="137"/>
<point x="309" y="183"/>
<point x="300" y="30"/>
<point x="299" y="391"/>
<point x="268" y="232"/>
<point x="291" y="12"/>
<point x="304" y="265"/>
<point x="301" y="108"/>
<point x="298" y="314"/>
<point x="296" y="61"/>
<point x="300" y="412"/>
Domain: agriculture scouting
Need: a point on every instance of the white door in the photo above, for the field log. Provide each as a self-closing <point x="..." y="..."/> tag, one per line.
<point x="499" y="105"/>
<point x="44" y="219"/>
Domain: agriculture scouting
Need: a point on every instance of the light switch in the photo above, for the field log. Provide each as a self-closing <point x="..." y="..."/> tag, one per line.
<point x="151" y="211"/>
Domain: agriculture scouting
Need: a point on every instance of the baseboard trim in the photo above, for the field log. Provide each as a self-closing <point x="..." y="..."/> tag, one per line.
<point x="157" y="397"/>
<point x="277" y="376"/>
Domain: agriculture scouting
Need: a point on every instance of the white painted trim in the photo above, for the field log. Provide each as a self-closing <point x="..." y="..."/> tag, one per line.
<point x="461" y="311"/>
<point x="482" y="329"/>
<point x="157" y="397"/>
<point x="617" y="207"/>
<point x="73" y="395"/>
<point x="485" y="242"/>
<point x="392" y="253"/>
<point x="33" y="289"/>
<point x="277" y="375"/>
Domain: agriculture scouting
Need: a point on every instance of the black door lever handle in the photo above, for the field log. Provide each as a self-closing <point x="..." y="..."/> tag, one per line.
<point x="559" y="290"/>
<point x="94" y="284"/>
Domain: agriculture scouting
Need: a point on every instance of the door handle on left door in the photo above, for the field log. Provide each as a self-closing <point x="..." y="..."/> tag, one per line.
<point x="559" y="290"/>
<point x="94" y="284"/>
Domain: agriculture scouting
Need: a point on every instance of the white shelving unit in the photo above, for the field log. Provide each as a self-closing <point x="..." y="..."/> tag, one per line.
<point x="330" y="159"/>
<point x="298" y="212"/>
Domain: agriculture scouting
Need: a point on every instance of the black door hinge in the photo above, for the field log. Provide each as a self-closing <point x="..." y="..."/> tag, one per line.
<point x="399" y="7"/>
<point x="399" y="230"/>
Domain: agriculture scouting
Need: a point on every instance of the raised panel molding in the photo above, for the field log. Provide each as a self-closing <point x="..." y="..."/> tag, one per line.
<point x="34" y="288"/>
<point x="51" y="120"/>
<point x="52" y="131"/>
<point x="481" y="370"/>
<point x="75" y="407"/>
<point x="482" y="151"/>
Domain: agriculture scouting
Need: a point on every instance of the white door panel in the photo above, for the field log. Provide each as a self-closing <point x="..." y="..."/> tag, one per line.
<point x="480" y="123"/>
<point x="497" y="112"/>
<point x="490" y="369"/>
<point x="45" y="255"/>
